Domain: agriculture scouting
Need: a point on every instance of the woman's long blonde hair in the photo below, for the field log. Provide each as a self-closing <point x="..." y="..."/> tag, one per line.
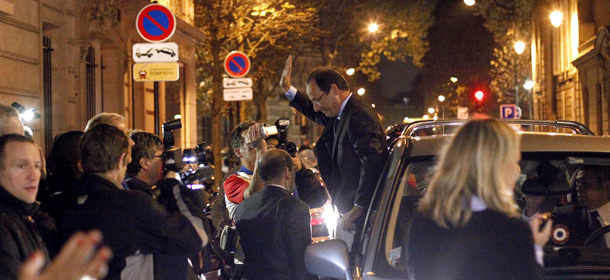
<point x="471" y="164"/>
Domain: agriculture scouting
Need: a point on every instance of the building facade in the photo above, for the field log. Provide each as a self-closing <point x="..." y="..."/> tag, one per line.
<point x="570" y="62"/>
<point x="72" y="59"/>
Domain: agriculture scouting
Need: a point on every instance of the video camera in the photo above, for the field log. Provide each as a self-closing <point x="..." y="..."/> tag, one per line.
<point x="175" y="159"/>
<point x="281" y="130"/>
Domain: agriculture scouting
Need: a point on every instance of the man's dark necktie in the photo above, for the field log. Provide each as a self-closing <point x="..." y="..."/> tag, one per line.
<point x="336" y="127"/>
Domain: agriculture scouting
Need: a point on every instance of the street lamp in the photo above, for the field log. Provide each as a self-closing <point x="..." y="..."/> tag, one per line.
<point x="453" y="79"/>
<point x="441" y="99"/>
<point x="529" y="85"/>
<point x="350" y="71"/>
<point x="373" y="27"/>
<point x="361" y="91"/>
<point x="519" y="48"/>
<point x="431" y="110"/>
<point x="469" y="2"/>
<point x="556" y="18"/>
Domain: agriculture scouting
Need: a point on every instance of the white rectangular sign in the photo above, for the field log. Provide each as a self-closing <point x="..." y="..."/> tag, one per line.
<point x="158" y="52"/>
<point x="237" y="94"/>
<point x="236" y="82"/>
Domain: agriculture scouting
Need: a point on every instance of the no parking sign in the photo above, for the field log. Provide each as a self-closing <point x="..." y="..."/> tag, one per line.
<point x="237" y="64"/>
<point x="156" y="23"/>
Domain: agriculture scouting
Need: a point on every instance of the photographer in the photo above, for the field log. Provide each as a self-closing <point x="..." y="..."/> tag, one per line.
<point x="309" y="187"/>
<point x="146" y="166"/>
<point x="134" y="226"/>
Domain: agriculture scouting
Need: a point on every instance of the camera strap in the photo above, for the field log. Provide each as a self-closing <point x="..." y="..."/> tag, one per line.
<point x="256" y="142"/>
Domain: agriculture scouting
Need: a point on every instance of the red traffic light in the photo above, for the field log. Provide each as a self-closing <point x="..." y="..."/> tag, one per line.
<point x="479" y="95"/>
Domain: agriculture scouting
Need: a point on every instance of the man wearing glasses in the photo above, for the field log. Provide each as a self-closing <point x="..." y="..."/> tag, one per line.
<point x="146" y="167"/>
<point x="352" y="149"/>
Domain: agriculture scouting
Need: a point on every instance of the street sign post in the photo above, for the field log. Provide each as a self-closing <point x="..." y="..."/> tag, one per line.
<point x="236" y="82"/>
<point x="237" y="94"/>
<point x="237" y="64"/>
<point x="156" y="72"/>
<point x="156" y="23"/>
<point x="510" y="111"/>
<point x="158" y="52"/>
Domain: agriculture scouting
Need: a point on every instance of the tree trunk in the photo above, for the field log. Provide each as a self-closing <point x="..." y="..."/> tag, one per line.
<point x="217" y="103"/>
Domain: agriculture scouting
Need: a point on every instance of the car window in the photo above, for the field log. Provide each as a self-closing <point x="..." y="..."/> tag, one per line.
<point x="411" y="186"/>
<point x="414" y="178"/>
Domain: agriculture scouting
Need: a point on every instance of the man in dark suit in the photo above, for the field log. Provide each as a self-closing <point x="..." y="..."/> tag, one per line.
<point x="573" y="224"/>
<point x="274" y="226"/>
<point x="352" y="149"/>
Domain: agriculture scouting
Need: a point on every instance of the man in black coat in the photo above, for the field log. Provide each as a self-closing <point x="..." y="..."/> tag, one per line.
<point x="134" y="226"/>
<point x="19" y="178"/>
<point x="352" y="149"/>
<point x="274" y="226"/>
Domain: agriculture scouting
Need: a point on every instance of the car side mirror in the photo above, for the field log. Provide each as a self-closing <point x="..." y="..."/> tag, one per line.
<point x="328" y="259"/>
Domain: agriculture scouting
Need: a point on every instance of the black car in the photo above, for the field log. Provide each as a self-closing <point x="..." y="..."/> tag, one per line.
<point x="562" y="146"/>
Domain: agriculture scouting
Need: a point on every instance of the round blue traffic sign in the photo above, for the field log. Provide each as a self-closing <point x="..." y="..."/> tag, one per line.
<point x="237" y="64"/>
<point x="156" y="23"/>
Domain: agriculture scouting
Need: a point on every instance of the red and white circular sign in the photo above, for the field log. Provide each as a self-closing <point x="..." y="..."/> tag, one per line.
<point x="156" y="23"/>
<point x="237" y="64"/>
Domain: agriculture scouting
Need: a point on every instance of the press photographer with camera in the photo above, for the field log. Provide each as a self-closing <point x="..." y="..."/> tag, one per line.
<point x="146" y="166"/>
<point x="134" y="226"/>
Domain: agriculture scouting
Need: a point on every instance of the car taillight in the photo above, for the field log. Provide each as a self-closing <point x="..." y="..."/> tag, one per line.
<point x="316" y="219"/>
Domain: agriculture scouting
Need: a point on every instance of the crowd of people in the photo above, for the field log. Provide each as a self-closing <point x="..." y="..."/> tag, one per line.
<point x="107" y="186"/>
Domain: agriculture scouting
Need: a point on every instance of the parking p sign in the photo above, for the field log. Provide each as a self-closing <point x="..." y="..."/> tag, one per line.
<point x="510" y="111"/>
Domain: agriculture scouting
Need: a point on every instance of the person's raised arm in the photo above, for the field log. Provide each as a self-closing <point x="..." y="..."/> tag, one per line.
<point x="255" y="140"/>
<point x="285" y="80"/>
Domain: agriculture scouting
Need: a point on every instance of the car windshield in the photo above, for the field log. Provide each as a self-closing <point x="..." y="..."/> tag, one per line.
<point x="548" y="175"/>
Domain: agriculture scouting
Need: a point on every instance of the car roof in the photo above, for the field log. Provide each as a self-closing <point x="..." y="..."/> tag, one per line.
<point x="530" y="142"/>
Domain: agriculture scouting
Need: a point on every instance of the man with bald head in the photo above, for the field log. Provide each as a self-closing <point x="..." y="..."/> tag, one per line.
<point x="274" y="226"/>
<point x="9" y="121"/>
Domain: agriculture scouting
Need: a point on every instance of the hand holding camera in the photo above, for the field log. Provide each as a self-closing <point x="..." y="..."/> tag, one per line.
<point x="256" y="136"/>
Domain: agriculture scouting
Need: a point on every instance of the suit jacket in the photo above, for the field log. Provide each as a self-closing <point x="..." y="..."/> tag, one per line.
<point x="351" y="159"/>
<point x="575" y="221"/>
<point x="490" y="246"/>
<point x="274" y="229"/>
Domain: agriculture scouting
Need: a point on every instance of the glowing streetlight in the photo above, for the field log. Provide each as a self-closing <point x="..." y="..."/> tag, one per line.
<point x="469" y="2"/>
<point x="528" y="85"/>
<point x="453" y="79"/>
<point x="373" y="27"/>
<point x="519" y="47"/>
<point x="441" y="99"/>
<point x="350" y="71"/>
<point x="361" y="91"/>
<point x="556" y="18"/>
<point x="431" y="110"/>
<point x="425" y="117"/>
<point x="373" y="105"/>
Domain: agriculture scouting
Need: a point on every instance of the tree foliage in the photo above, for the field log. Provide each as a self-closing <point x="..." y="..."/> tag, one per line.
<point x="509" y="21"/>
<point x="346" y="41"/>
<point x="403" y="36"/>
<point x="251" y="26"/>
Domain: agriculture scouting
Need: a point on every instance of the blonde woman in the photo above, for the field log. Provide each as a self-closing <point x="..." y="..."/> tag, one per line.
<point x="468" y="226"/>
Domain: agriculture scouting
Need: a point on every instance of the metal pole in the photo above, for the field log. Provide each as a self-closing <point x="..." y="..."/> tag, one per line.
<point x="156" y="91"/>
<point x="516" y="90"/>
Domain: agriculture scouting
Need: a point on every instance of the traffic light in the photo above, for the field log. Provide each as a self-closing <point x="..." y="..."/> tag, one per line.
<point x="479" y="95"/>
